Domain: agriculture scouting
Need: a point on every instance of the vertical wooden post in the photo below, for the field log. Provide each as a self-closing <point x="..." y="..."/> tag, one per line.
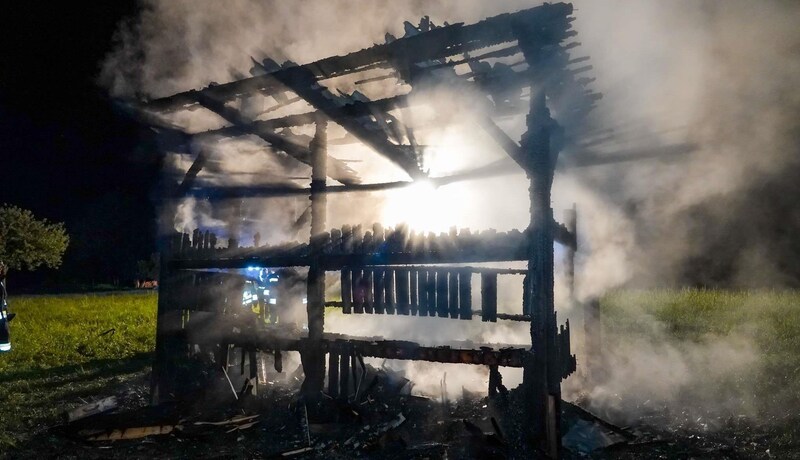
<point x="389" y="299"/>
<point x="333" y="374"/>
<point x="313" y="358"/>
<point x="441" y="293"/>
<point x="414" y="288"/>
<point x="489" y="297"/>
<point x="344" y="374"/>
<point x="402" y="282"/>
<point x="375" y="299"/>
<point x="162" y="380"/>
<point x="359" y="291"/>
<point x="422" y="288"/>
<point x="541" y="379"/>
<point x="452" y="290"/>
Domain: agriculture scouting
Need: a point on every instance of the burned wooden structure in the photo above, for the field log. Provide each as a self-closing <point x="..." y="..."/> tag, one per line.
<point x="386" y="271"/>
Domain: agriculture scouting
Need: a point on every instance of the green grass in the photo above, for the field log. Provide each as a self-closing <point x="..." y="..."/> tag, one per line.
<point x="771" y="317"/>
<point x="70" y="347"/>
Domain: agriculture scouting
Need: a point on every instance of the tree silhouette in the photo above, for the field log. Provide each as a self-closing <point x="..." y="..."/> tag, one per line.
<point x="27" y="242"/>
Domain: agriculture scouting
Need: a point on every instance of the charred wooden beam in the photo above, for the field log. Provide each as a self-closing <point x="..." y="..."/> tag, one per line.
<point x="402" y="53"/>
<point x="303" y="82"/>
<point x="455" y="352"/>
<point x="313" y="357"/>
<point x="339" y="170"/>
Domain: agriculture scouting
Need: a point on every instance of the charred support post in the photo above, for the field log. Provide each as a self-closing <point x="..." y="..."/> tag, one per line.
<point x="313" y="358"/>
<point x="163" y="378"/>
<point x="333" y="374"/>
<point x="541" y="376"/>
<point x="344" y="373"/>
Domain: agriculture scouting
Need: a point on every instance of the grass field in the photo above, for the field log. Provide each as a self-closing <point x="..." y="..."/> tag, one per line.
<point x="770" y="320"/>
<point x="85" y="346"/>
<point x="70" y="347"/>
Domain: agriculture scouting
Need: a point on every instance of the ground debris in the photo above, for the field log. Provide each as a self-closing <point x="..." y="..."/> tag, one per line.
<point x="97" y="407"/>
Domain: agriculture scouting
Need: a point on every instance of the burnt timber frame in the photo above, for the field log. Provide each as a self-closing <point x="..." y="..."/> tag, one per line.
<point x="538" y="33"/>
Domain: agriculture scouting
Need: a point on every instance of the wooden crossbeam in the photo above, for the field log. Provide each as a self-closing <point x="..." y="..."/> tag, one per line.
<point x="338" y="170"/>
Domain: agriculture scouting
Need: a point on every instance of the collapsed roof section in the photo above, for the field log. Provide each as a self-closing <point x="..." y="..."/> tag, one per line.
<point x="482" y="62"/>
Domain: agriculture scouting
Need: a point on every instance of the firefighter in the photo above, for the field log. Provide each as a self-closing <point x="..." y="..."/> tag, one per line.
<point x="5" y="317"/>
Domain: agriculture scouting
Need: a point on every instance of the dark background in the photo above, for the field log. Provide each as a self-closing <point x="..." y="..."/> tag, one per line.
<point x="65" y="153"/>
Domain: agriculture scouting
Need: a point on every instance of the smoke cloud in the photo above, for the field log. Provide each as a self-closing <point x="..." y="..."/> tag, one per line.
<point x="719" y="75"/>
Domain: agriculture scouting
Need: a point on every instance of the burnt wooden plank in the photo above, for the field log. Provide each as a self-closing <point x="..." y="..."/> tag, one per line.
<point x="403" y="297"/>
<point x="441" y="294"/>
<point x="389" y="286"/>
<point x="414" y="291"/>
<point x="489" y="297"/>
<point x="465" y="294"/>
<point x="452" y="286"/>
<point x="377" y="291"/>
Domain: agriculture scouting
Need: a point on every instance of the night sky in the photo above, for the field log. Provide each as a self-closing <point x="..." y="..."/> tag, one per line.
<point x="66" y="154"/>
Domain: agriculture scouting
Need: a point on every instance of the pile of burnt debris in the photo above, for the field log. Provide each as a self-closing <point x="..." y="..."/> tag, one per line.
<point x="383" y="419"/>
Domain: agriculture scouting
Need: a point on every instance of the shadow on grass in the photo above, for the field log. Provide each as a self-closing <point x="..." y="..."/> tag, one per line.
<point x="37" y="399"/>
<point x="90" y="370"/>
